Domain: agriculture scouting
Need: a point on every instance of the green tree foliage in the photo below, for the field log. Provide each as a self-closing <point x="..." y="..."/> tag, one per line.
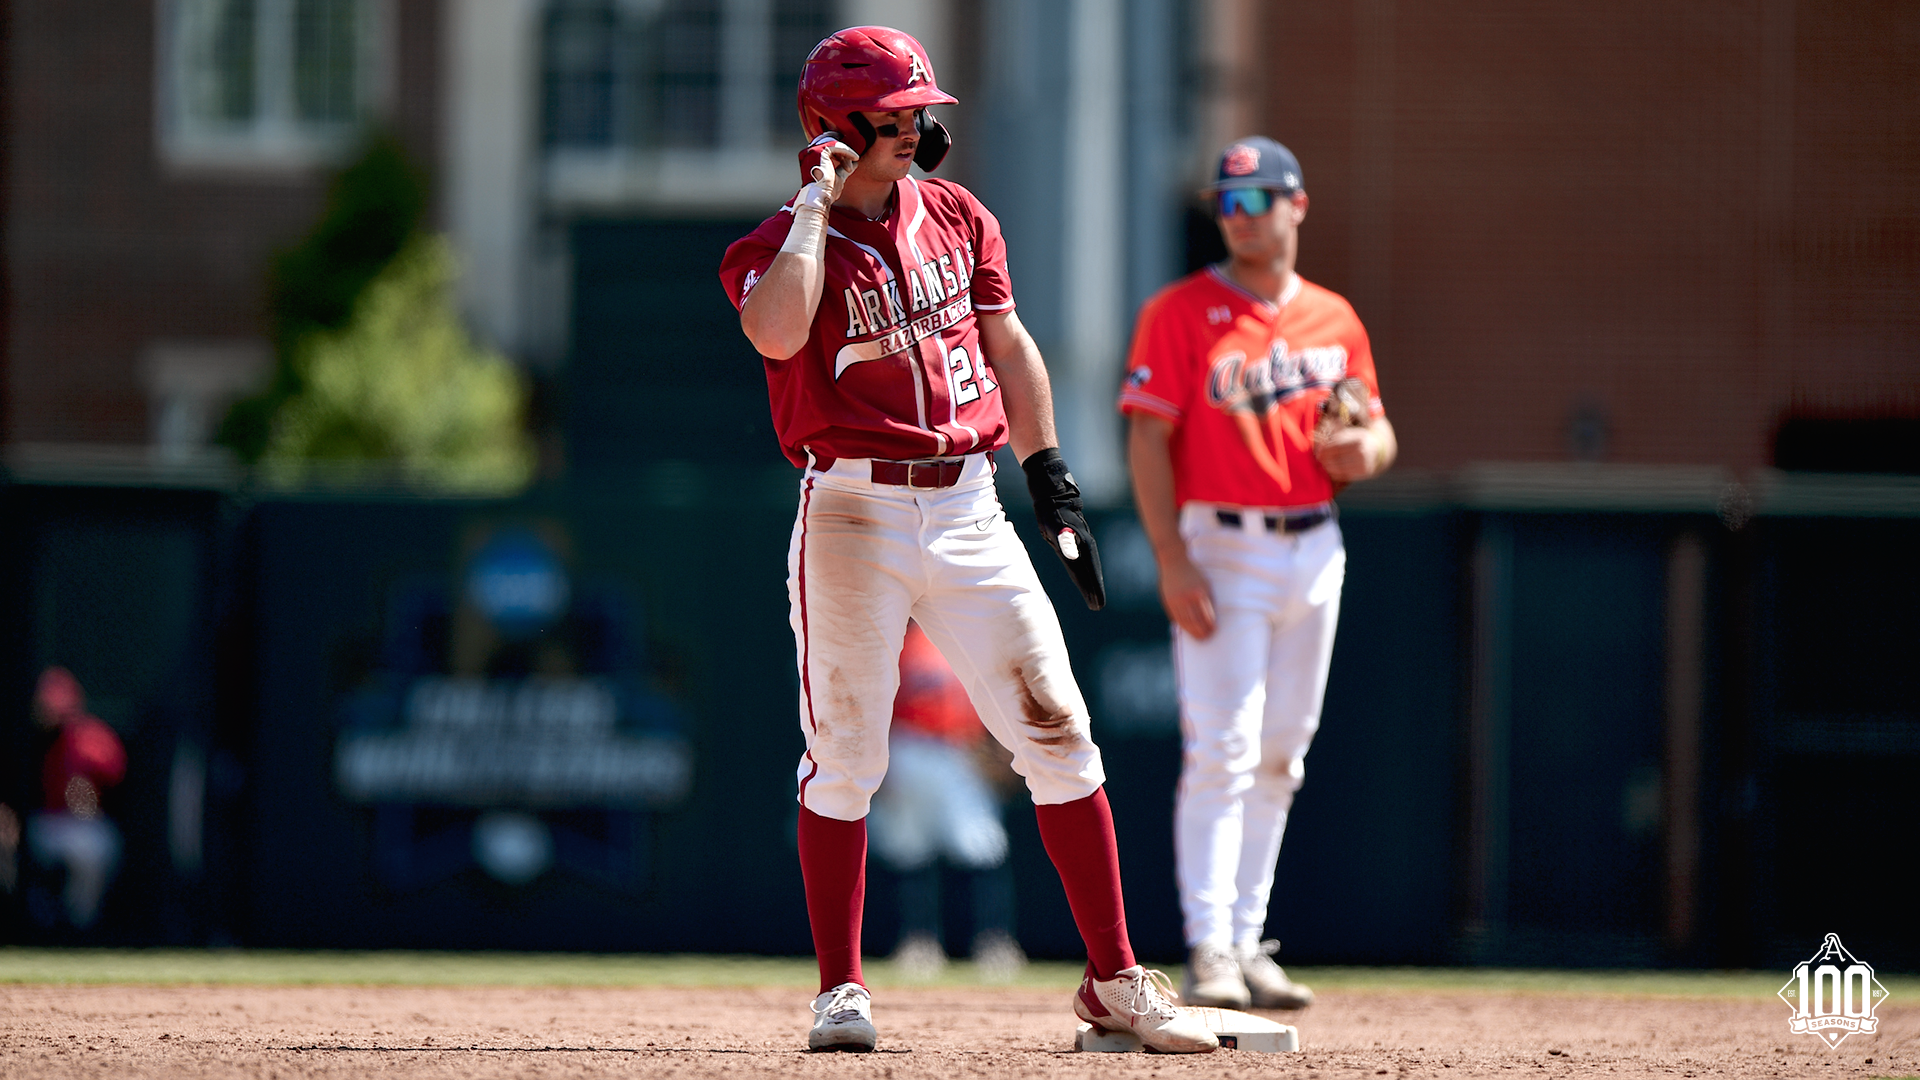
<point x="375" y="376"/>
<point x="374" y="207"/>
<point x="403" y="388"/>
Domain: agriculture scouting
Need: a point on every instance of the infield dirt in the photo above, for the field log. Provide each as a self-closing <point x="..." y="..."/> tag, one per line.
<point x="936" y="1034"/>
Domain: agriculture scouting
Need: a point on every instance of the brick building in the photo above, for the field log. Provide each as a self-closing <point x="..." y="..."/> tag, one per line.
<point x="156" y="157"/>
<point x="1636" y="233"/>
<point x="1626" y="234"/>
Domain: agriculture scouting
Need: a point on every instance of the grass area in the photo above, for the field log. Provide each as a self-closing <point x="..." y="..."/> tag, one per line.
<point x="397" y="968"/>
<point x="266" y="967"/>
<point x="1620" y="983"/>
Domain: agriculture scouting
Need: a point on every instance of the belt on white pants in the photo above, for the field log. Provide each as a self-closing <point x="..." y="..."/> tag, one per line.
<point x="923" y="473"/>
<point x="1282" y="521"/>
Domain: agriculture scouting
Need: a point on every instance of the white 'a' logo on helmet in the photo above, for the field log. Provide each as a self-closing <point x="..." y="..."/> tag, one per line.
<point x="918" y="72"/>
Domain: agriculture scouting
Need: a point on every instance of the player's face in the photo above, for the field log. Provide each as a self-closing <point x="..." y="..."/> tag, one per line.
<point x="889" y="156"/>
<point x="1259" y="225"/>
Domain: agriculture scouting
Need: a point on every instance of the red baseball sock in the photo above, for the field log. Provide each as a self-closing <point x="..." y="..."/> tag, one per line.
<point x="1079" y="839"/>
<point x="833" y="862"/>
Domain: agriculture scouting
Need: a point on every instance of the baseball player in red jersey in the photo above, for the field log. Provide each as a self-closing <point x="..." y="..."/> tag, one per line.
<point x="1235" y="458"/>
<point x="895" y="365"/>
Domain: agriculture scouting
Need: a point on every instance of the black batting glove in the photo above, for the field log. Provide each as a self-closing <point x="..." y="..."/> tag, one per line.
<point x="1063" y="521"/>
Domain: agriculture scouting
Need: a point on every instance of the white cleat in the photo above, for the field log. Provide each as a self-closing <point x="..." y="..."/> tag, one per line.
<point x="1213" y="979"/>
<point x="843" y="1020"/>
<point x="1267" y="981"/>
<point x="1137" y="1001"/>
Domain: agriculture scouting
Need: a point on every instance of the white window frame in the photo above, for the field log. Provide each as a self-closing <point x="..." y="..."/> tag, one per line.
<point x="273" y="139"/>
<point x="748" y="168"/>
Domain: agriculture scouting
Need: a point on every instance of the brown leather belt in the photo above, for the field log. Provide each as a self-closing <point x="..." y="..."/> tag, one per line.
<point x="933" y="473"/>
<point x="943" y="473"/>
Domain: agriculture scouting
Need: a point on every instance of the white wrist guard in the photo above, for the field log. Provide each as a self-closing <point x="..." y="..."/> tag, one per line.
<point x="812" y="197"/>
<point x="807" y="236"/>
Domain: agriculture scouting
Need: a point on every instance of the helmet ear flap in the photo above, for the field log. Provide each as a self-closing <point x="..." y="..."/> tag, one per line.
<point x="934" y="141"/>
<point x="863" y="128"/>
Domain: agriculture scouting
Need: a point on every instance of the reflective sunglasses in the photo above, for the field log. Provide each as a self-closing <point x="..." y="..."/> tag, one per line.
<point x="1250" y="201"/>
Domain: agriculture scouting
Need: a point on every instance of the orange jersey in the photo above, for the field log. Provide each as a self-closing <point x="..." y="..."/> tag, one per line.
<point x="931" y="700"/>
<point x="1242" y="381"/>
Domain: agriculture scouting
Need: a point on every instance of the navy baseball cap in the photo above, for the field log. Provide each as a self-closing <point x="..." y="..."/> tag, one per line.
<point x="1257" y="162"/>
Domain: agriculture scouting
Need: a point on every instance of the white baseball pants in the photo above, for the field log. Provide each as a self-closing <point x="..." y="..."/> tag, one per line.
<point x="865" y="558"/>
<point x="1249" y="704"/>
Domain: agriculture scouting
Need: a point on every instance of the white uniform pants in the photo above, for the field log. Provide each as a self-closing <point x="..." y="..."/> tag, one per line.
<point x="865" y="558"/>
<point x="1249" y="704"/>
<point x="89" y="849"/>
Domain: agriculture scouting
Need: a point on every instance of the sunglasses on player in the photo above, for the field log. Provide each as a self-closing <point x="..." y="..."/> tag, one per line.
<point x="1251" y="201"/>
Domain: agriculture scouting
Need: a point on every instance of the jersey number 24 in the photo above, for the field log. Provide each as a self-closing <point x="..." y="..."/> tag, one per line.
<point x="968" y="382"/>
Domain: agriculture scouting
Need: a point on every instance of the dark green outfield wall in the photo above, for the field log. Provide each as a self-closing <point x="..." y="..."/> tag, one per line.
<point x="1493" y="781"/>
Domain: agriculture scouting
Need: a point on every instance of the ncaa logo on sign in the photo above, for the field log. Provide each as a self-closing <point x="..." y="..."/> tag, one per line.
<point x="1833" y="995"/>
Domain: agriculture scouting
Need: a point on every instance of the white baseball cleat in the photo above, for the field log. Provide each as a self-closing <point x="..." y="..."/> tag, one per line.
<point x="1213" y="978"/>
<point x="843" y="1020"/>
<point x="1136" y="1001"/>
<point x="1267" y="981"/>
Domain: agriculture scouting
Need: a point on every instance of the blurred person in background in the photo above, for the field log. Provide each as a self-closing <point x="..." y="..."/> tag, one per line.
<point x="70" y="837"/>
<point x="1252" y="400"/>
<point x="941" y="800"/>
<point x="9" y="848"/>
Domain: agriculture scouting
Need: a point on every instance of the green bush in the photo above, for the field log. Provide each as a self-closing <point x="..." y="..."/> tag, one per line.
<point x="375" y="377"/>
<point x="401" y="388"/>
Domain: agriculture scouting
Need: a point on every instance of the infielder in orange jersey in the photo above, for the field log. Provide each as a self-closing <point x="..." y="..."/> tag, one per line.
<point x="1251" y="400"/>
<point x="882" y="309"/>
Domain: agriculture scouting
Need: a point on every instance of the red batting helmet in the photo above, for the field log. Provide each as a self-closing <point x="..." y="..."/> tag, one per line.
<point x="879" y="69"/>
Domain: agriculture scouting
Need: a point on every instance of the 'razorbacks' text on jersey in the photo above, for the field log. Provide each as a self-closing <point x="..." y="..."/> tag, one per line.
<point x="1242" y="381"/>
<point x="893" y="368"/>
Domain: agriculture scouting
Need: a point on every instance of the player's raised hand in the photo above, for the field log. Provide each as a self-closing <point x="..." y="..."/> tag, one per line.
<point x="1063" y="521"/>
<point x="828" y="162"/>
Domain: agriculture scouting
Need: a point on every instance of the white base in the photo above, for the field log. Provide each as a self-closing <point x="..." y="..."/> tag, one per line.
<point x="1092" y="1040"/>
<point x="1237" y="1031"/>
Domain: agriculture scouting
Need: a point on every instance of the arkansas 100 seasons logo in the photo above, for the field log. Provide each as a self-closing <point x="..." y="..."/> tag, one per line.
<point x="1833" y="995"/>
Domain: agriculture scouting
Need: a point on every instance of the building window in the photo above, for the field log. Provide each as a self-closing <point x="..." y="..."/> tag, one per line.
<point x="641" y="97"/>
<point x="270" y="82"/>
<point x="798" y="26"/>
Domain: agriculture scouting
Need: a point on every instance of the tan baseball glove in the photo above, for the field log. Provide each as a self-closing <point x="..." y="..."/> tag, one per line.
<point x="1346" y="407"/>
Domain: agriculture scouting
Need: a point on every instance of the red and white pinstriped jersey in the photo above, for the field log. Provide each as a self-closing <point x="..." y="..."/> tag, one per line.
<point x="893" y="368"/>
